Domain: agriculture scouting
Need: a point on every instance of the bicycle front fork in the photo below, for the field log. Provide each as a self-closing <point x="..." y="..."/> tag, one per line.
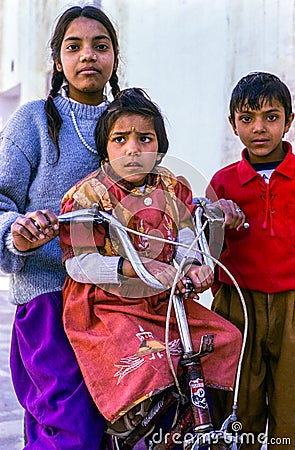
<point x="191" y="363"/>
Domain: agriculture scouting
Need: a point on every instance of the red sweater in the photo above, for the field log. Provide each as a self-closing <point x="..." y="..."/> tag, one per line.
<point x="262" y="257"/>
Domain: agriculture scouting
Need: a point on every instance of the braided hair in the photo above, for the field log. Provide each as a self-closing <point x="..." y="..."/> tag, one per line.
<point x="54" y="121"/>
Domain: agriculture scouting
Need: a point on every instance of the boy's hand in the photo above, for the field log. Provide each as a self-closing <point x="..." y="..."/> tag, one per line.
<point x="34" y="229"/>
<point x="233" y="215"/>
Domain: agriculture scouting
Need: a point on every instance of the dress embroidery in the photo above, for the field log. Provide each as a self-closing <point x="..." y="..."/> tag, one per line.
<point x="143" y="242"/>
<point x="149" y="349"/>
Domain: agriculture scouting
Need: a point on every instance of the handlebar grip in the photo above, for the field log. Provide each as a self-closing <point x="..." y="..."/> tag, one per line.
<point x="189" y="287"/>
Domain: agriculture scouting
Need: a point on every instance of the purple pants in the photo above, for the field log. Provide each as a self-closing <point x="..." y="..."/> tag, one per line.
<point x="60" y="413"/>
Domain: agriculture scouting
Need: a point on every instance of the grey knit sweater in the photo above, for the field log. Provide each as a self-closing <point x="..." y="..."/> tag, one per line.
<point x="29" y="180"/>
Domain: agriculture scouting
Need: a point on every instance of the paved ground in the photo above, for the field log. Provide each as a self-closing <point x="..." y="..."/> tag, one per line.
<point x="11" y="414"/>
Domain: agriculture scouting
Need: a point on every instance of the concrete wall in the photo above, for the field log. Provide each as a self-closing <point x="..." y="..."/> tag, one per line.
<point x="24" y="55"/>
<point x="26" y="27"/>
<point x="189" y="54"/>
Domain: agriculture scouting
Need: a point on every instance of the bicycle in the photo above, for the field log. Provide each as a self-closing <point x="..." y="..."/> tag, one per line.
<point x="192" y="421"/>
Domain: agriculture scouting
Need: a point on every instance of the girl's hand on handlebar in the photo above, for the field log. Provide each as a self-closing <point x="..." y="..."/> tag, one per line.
<point x="34" y="229"/>
<point x="202" y="278"/>
<point x="165" y="273"/>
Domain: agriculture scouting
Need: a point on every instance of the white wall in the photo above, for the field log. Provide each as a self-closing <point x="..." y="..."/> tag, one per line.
<point x="26" y="27"/>
<point x="188" y="55"/>
<point x="8" y="44"/>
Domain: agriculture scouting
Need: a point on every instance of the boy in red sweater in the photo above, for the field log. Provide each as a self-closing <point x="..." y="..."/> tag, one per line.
<point x="262" y="257"/>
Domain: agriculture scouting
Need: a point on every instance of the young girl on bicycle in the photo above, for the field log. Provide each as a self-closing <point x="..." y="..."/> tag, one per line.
<point x="115" y="323"/>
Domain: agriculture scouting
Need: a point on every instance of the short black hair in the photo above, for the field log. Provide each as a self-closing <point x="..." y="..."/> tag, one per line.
<point x="130" y="101"/>
<point x="257" y="87"/>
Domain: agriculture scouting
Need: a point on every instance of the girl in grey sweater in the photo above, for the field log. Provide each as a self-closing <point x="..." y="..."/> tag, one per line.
<point x="45" y="148"/>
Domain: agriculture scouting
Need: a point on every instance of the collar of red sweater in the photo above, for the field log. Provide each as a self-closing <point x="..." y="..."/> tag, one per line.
<point x="286" y="168"/>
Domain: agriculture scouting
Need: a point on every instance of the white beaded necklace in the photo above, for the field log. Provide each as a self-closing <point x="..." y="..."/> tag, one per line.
<point x="91" y="149"/>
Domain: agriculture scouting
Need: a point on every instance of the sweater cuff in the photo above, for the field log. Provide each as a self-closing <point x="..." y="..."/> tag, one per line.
<point x="186" y="236"/>
<point x="8" y="241"/>
<point x="93" y="268"/>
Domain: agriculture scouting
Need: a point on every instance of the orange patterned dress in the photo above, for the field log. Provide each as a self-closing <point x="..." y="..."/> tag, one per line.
<point x="118" y="331"/>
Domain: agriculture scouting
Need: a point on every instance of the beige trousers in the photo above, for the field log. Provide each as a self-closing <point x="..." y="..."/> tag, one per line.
<point x="267" y="387"/>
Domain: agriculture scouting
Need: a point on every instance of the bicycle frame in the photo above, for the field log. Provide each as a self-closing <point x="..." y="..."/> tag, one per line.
<point x="196" y="418"/>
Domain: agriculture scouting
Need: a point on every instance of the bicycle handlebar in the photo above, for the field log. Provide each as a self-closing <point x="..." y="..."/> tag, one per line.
<point x="213" y="212"/>
<point x="94" y="215"/>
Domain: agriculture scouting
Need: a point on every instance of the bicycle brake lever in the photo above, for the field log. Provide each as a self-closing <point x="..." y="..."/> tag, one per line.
<point x="211" y="211"/>
<point x="189" y="287"/>
<point x="83" y="215"/>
